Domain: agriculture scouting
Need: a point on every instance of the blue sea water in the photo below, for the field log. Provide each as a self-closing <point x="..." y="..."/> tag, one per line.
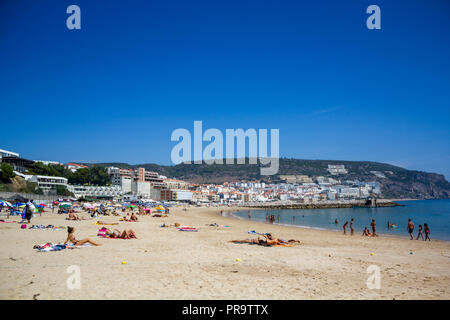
<point x="436" y="213"/>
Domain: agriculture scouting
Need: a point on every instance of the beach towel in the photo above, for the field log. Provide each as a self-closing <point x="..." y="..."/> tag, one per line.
<point x="102" y="232"/>
<point x="254" y="232"/>
<point x="187" y="229"/>
<point x="3" y="221"/>
<point x="50" y="247"/>
<point x="217" y="225"/>
<point x="99" y="223"/>
<point x="58" y="247"/>
<point x="49" y="227"/>
<point x="255" y="242"/>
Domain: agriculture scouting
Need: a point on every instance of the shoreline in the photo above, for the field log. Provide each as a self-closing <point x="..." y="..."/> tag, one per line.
<point x="323" y="205"/>
<point x="384" y="235"/>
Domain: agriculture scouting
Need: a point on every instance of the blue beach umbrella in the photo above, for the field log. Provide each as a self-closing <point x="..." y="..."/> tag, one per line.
<point x="18" y="204"/>
<point x="5" y="204"/>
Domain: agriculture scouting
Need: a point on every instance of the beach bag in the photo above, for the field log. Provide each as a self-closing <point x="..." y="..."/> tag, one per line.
<point x="24" y="226"/>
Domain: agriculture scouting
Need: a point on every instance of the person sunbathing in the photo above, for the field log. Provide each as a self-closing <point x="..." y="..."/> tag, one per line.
<point x="73" y="216"/>
<point x="270" y="240"/>
<point x="116" y="234"/>
<point x="251" y="241"/>
<point x="71" y="238"/>
<point x="132" y="218"/>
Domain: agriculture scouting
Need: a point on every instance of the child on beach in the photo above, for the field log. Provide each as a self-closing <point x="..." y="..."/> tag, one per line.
<point x="345" y="226"/>
<point x="366" y="232"/>
<point x="420" y="232"/>
<point x="427" y="232"/>
<point x="71" y="238"/>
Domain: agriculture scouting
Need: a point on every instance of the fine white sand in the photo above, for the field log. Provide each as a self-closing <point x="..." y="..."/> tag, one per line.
<point x="164" y="263"/>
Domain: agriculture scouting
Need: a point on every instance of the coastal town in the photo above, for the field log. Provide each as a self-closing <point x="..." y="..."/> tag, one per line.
<point x="139" y="184"/>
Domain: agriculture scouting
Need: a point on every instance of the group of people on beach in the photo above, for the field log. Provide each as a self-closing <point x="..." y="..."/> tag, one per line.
<point x="425" y="228"/>
<point x="373" y="225"/>
<point x="269" y="218"/>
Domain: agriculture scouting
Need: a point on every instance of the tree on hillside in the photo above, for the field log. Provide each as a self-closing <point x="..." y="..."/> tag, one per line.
<point x="62" y="191"/>
<point x="6" y="173"/>
<point x="98" y="175"/>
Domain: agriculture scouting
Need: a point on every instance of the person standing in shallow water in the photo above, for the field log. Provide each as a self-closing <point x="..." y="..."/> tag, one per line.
<point x="345" y="226"/>
<point x="374" y="228"/>
<point x="420" y="234"/>
<point x="249" y="216"/>
<point x="427" y="232"/>
<point x="410" y="228"/>
<point x="351" y="227"/>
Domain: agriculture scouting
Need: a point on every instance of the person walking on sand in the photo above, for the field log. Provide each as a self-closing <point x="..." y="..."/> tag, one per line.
<point x="420" y="234"/>
<point x="427" y="232"/>
<point x="345" y="226"/>
<point x="28" y="211"/>
<point x="410" y="228"/>
<point x="374" y="228"/>
<point x="351" y="227"/>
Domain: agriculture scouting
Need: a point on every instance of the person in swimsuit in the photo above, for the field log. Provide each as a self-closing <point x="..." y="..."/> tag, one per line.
<point x="116" y="234"/>
<point x="420" y="234"/>
<point x="366" y="232"/>
<point x="71" y="238"/>
<point x="351" y="227"/>
<point x="73" y="216"/>
<point x="345" y="226"/>
<point x="270" y="240"/>
<point x="374" y="228"/>
<point x="427" y="232"/>
<point x="410" y="228"/>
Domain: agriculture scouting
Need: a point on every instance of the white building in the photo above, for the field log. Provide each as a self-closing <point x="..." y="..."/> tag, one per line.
<point x="181" y="195"/>
<point x="47" y="183"/>
<point x="48" y="162"/>
<point x="6" y="153"/>
<point x="109" y="192"/>
<point x="75" y="166"/>
<point x="336" y="169"/>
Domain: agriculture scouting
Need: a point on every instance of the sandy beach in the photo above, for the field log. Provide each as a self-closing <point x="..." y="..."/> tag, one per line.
<point x="164" y="263"/>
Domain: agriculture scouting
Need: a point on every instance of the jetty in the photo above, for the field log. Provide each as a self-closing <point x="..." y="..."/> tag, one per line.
<point x="370" y="203"/>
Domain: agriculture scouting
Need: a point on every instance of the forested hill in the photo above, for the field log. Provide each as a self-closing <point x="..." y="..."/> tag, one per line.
<point x="396" y="182"/>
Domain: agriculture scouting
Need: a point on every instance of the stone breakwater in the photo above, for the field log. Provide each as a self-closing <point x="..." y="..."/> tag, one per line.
<point x="325" y="205"/>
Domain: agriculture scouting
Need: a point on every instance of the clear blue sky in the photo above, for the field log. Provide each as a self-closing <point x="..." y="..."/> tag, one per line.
<point x="116" y="89"/>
